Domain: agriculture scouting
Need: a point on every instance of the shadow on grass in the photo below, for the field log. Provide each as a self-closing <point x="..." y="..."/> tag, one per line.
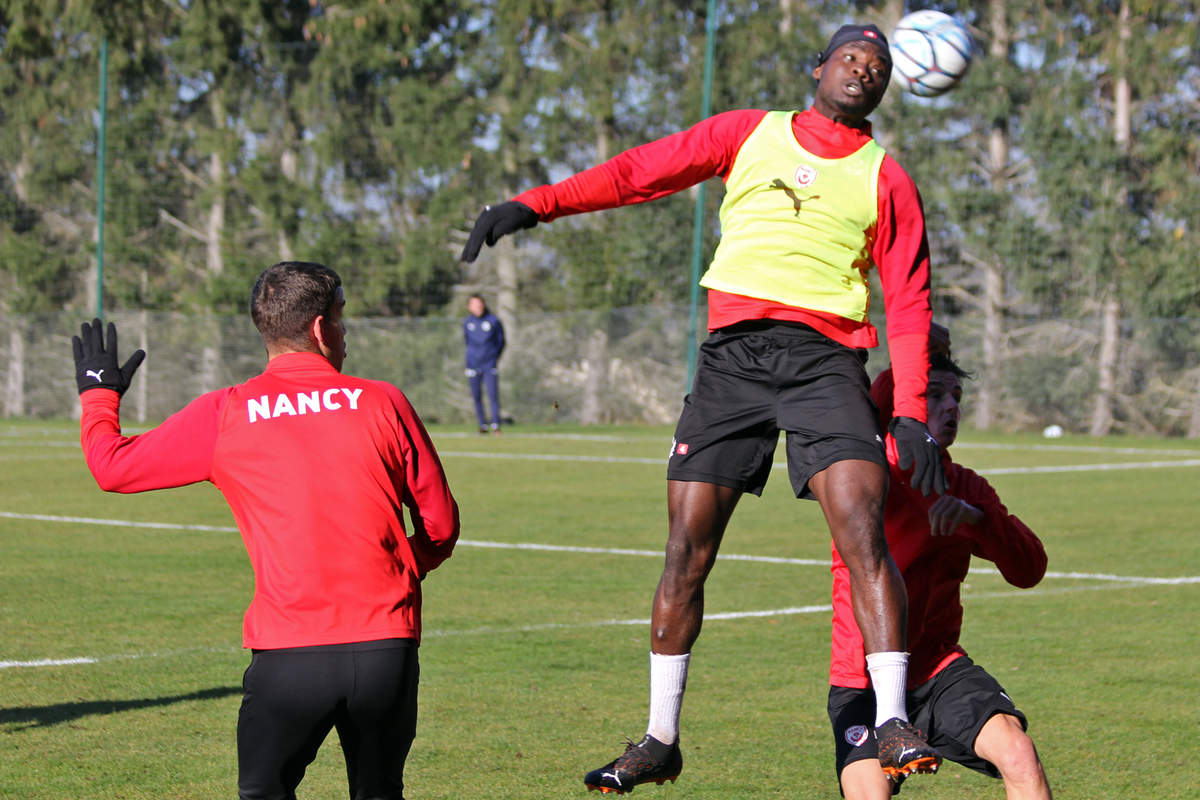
<point x="24" y="717"/>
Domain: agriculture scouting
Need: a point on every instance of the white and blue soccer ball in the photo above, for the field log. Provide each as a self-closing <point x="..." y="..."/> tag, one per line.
<point x="931" y="52"/>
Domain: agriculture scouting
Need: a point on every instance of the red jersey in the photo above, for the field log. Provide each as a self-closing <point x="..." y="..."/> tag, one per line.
<point x="316" y="467"/>
<point x="900" y="250"/>
<point x="934" y="567"/>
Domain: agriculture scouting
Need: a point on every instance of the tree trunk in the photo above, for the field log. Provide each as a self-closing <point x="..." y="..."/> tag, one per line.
<point x="141" y="383"/>
<point x="1106" y="377"/>
<point x="987" y="396"/>
<point x="1106" y="388"/>
<point x="506" y="290"/>
<point x="287" y="166"/>
<point x="216" y="176"/>
<point x="591" y="406"/>
<point x="1194" y="426"/>
<point x="14" y="384"/>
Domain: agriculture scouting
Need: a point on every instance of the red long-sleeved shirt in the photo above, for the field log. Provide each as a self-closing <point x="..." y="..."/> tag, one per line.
<point x="934" y="567"/>
<point x="316" y="467"/>
<point x="708" y="149"/>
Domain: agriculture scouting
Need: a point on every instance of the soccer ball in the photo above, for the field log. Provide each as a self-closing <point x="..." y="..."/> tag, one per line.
<point x="931" y="53"/>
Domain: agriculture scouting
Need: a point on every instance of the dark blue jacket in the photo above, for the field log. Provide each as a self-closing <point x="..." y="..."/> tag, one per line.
<point x="485" y="340"/>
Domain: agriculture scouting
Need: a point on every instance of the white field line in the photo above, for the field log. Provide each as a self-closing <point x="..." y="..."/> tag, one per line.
<point x="70" y="662"/>
<point x="547" y="626"/>
<point x="1110" y="581"/>
<point x="74" y="443"/>
<point x="553" y="457"/>
<point x="778" y="465"/>
<point x="613" y="551"/>
<point x="1191" y="462"/>
<point x="1076" y="448"/>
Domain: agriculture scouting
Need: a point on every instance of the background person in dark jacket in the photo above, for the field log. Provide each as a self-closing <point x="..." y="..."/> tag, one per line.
<point x="484" y="337"/>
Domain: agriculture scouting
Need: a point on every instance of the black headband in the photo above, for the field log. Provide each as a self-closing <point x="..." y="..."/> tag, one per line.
<point x="855" y="33"/>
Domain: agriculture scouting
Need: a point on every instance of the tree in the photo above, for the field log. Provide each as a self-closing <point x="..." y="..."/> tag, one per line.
<point x="1109" y="74"/>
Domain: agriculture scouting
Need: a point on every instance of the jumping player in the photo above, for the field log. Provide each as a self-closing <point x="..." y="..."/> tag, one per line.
<point x="316" y="467"/>
<point x="812" y="203"/>
<point x="967" y="715"/>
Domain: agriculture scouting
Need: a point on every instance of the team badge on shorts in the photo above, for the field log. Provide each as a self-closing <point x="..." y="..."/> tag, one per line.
<point x="857" y="735"/>
<point x="679" y="448"/>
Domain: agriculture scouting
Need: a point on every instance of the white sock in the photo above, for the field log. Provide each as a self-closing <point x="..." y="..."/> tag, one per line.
<point x="668" y="678"/>
<point x="889" y="674"/>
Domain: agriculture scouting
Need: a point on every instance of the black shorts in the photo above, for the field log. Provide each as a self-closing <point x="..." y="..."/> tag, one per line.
<point x="950" y="708"/>
<point x="292" y="697"/>
<point x="755" y="379"/>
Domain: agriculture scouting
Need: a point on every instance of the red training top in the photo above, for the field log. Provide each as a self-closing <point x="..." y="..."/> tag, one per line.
<point x="708" y="149"/>
<point x="315" y="466"/>
<point x="934" y="567"/>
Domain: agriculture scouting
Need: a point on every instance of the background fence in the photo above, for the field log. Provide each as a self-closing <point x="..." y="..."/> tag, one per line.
<point x="625" y="365"/>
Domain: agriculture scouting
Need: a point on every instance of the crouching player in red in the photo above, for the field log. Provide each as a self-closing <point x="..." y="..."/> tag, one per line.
<point x="965" y="713"/>
<point x="317" y="468"/>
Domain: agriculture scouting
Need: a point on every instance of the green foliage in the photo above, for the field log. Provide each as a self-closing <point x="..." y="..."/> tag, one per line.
<point x="369" y="134"/>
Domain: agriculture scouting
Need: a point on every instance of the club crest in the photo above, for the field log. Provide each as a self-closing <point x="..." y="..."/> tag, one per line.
<point x="856" y="735"/>
<point x="805" y="175"/>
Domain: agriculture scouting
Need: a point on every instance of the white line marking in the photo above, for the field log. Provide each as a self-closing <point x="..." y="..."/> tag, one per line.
<point x="120" y="523"/>
<point x="1075" y="448"/>
<point x="1191" y="462"/>
<point x="552" y="457"/>
<point x="556" y="626"/>
<point x="616" y="551"/>
<point x="1094" y="576"/>
<point x="39" y="443"/>
<point x="47" y="662"/>
<point x="69" y="662"/>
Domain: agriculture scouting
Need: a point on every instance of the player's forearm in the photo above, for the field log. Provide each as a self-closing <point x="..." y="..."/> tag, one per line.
<point x="434" y="534"/>
<point x="1007" y="542"/>
<point x="910" y="373"/>
<point x="432" y="508"/>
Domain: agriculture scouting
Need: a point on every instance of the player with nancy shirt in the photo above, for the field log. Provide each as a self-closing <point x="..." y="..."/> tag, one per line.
<point x="317" y="467"/>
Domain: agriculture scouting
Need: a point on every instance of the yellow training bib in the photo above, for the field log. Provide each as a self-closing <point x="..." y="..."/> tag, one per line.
<point x="795" y="228"/>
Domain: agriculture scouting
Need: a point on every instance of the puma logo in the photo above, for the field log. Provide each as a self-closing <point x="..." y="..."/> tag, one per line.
<point x="616" y="778"/>
<point x="91" y="373"/>
<point x="797" y="203"/>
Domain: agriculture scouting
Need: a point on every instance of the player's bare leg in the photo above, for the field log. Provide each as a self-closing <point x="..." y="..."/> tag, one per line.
<point x="1003" y="742"/>
<point x="864" y="780"/>
<point x="852" y="494"/>
<point x="698" y="514"/>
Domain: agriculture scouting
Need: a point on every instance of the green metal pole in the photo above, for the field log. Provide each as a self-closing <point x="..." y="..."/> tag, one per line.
<point x="710" y="37"/>
<point x="100" y="179"/>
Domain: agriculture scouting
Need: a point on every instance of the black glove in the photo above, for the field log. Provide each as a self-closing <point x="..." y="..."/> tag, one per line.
<point x="919" y="450"/>
<point x="497" y="221"/>
<point x="96" y="365"/>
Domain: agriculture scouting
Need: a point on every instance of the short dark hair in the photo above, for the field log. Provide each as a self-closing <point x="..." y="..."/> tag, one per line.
<point x="288" y="296"/>
<point x="942" y="362"/>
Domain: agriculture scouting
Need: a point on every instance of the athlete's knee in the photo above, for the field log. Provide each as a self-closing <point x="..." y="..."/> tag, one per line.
<point x="864" y="780"/>
<point x="1018" y="762"/>
<point x="687" y="564"/>
<point x="1005" y="743"/>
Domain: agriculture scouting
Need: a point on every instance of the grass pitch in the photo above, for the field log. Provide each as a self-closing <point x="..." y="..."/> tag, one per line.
<point x="120" y="659"/>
